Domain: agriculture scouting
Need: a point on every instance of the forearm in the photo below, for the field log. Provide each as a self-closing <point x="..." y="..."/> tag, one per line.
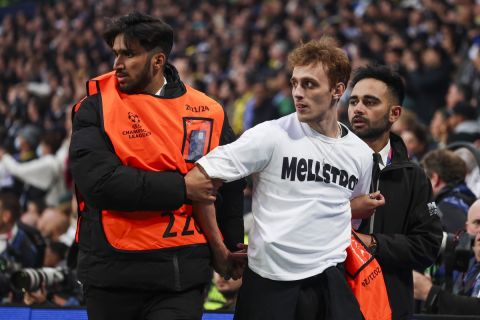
<point x="442" y="302"/>
<point x="204" y="214"/>
<point x="364" y="206"/>
<point x="39" y="173"/>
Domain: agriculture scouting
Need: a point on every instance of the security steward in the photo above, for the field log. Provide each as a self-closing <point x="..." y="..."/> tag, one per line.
<point x="136" y="134"/>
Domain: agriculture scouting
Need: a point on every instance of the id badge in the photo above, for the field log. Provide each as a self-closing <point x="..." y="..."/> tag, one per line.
<point x="196" y="144"/>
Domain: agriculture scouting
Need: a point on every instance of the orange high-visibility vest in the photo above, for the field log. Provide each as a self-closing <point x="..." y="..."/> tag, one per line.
<point x="365" y="278"/>
<point x="155" y="134"/>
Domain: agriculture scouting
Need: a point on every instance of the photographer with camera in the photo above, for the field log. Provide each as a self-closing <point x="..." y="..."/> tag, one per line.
<point x="464" y="298"/>
<point x="441" y="301"/>
<point x="52" y="285"/>
<point x="16" y="248"/>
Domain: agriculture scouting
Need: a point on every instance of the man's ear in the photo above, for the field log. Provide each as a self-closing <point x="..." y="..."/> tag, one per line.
<point x="159" y="60"/>
<point x="338" y="90"/>
<point x="395" y="113"/>
<point x="435" y="179"/>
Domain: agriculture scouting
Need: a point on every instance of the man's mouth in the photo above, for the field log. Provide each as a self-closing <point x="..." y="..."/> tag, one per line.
<point x="358" y="122"/>
<point x="300" y="106"/>
<point x="121" y="77"/>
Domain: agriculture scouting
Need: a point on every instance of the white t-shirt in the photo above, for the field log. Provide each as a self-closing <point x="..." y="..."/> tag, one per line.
<point x="302" y="184"/>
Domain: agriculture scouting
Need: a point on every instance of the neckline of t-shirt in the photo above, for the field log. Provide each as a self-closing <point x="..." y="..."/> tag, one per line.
<point x="317" y="135"/>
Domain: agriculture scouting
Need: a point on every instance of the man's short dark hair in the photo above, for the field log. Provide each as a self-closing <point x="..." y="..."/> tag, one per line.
<point x="392" y="79"/>
<point x="10" y="202"/>
<point x="465" y="90"/>
<point x="151" y="33"/>
<point x="464" y="110"/>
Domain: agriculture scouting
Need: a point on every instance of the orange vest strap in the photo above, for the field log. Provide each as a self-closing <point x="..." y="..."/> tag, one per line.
<point x="92" y="87"/>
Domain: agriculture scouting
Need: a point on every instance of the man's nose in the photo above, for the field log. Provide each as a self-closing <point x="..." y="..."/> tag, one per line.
<point x="118" y="63"/>
<point x="359" y="108"/>
<point x="298" y="92"/>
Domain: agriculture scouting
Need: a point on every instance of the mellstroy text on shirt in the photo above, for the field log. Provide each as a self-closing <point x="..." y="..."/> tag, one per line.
<point x="311" y="170"/>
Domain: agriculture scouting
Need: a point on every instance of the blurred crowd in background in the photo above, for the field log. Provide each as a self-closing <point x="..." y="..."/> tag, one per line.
<point x="235" y="51"/>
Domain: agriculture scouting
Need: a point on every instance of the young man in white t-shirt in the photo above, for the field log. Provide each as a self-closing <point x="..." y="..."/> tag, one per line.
<point x="306" y="168"/>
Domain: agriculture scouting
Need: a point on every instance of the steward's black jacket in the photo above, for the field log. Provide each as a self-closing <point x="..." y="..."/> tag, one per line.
<point x="105" y="183"/>
<point x="407" y="227"/>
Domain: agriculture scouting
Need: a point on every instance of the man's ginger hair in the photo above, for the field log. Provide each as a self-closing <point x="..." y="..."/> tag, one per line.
<point x="326" y="51"/>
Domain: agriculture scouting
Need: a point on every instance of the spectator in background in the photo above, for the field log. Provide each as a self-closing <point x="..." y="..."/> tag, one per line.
<point x="469" y="70"/>
<point x="53" y="224"/>
<point x="34" y="115"/>
<point x="458" y="92"/>
<point x="45" y="173"/>
<point x="439" y="128"/>
<point x="463" y="123"/>
<point x="31" y="215"/>
<point x="55" y="115"/>
<point x="25" y="145"/>
<point x="408" y="119"/>
<point x="245" y="94"/>
<point x="55" y="253"/>
<point x="446" y="172"/>
<point x="282" y="98"/>
<point x="416" y="141"/>
<point x="429" y="80"/>
<point x="472" y="179"/>
<point x="260" y="107"/>
<point x="472" y="226"/>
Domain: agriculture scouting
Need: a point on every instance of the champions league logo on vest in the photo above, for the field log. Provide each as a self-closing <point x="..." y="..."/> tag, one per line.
<point x="311" y="170"/>
<point x="137" y="130"/>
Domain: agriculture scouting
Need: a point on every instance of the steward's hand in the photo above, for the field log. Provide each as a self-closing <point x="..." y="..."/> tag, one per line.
<point x="221" y="261"/>
<point x="200" y="187"/>
<point x="230" y="265"/>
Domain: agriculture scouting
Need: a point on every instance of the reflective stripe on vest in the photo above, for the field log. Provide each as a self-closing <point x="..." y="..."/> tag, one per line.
<point x="365" y="278"/>
<point x="157" y="134"/>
